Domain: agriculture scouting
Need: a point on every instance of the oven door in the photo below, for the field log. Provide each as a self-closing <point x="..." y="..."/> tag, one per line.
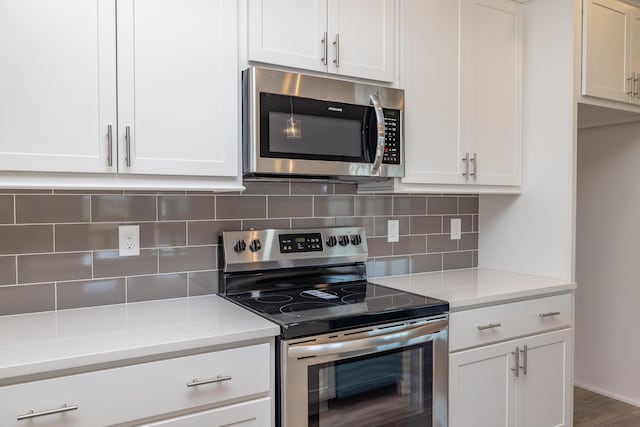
<point x="394" y="375"/>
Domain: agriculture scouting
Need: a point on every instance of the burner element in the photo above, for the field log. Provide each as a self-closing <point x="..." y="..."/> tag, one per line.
<point x="354" y="289"/>
<point x="274" y="299"/>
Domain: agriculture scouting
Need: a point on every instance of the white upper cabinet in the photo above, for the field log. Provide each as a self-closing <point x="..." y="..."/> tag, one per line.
<point x="491" y="91"/>
<point x="433" y="150"/>
<point x="461" y="68"/>
<point x="607" y="54"/>
<point x="288" y="32"/>
<point x="178" y="87"/>
<point x="174" y="112"/>
<point x="354" y="38"/>
<point x="57" y="85"/>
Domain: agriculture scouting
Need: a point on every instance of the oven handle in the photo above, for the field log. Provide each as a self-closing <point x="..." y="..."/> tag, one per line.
<point x="340" y="347"/>
<point x="377" y="162"/>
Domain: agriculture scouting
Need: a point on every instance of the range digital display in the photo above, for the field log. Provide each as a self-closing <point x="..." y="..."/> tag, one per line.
<point x="308" y="242"/>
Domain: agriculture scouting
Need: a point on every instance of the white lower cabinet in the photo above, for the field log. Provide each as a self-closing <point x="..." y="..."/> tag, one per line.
<point x="520" y="382"/>
<point x="249" y="414"/>
<point x="150" y="390"/>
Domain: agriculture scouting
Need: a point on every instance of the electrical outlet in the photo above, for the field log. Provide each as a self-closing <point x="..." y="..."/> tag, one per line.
<point x="129" y="240"/>
<point x="456" y="228"/>
<point x="393" y="230"/>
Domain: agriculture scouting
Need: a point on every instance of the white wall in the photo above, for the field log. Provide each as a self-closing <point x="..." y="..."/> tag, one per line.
<point x="607" y="260"/>
<point x="533" y="233"/>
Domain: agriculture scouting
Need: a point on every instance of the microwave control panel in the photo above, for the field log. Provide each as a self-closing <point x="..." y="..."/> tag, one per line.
<point x="392" y="137"/>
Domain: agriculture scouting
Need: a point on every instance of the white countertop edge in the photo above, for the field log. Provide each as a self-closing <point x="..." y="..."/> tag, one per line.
<point x="50" y="367"/>
<point x="473" y="287"/>
<point x="132" y="331"/>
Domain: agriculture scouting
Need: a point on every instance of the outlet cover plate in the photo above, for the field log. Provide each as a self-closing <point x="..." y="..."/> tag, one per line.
<point x="129" y="240"/>
<point x="456" y="228"/>
<point x="393" y="230"/>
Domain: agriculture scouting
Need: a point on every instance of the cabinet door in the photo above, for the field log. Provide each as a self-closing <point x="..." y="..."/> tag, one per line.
<point x="256" y="413"/>
<point x="543" y="395"/>
<point x="491" y="94"/>
<point x="634" y="56"/>
<point x="178" y="87"/>
<point x="362" y="35"/>
<point x="57" y="85"/>
<point x="481" y="387"/>
<point x="433" y="153"/>
<point x="288" y="32"/>
<point x="605" y="69"/>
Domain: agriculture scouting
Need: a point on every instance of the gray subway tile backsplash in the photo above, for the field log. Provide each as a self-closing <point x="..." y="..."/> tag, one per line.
<point x="54" y="267"/>
<point x="62" y="245"/>
<point x="123" y="208"/>
<point x="145" y="288"/>
<point x="237" y="207"/>
<point x="52" y="209"/>
<point x="89" y="293"/>
<point x="6" y="209"/>
<point x="171" y="208"/>
<point x="7" y="270"/>
<point x="26" y="239"/>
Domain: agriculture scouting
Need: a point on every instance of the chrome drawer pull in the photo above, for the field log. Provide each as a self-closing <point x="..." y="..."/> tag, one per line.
<point x="32" y="414"/>
<point x="549" y="314"/>
<point x="217" y="379"/>
<point x="489" y="326"/>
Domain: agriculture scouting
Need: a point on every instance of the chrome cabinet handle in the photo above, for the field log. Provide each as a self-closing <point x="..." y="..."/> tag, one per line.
<point x="127" y="137"/>
<point x="524" y="360"/>
<point x="474" y="159"/>
<point x="217" y="379"/>
<point x="32" y="414"/>
<point x="630" y="84"/>
<point x="337" y="45"/>
<point x="109" y="145"/>
<point x="381" y="133"/>
<point x="516" y="370"/>
<point x="465" y="159"/>
<point x="325" y="49"/>
<point x="489" y="326"/>
<point x="549" y="314"/>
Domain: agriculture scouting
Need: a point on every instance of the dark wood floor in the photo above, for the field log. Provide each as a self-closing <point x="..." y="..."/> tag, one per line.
<point x="595" y="410"/>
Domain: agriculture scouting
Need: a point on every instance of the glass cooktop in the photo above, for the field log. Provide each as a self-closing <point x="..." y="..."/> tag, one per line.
<point x="321" y="308"/>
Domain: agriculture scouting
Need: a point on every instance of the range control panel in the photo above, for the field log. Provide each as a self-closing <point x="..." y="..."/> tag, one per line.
<point x="306" y="242"/>
<point x="252" y="250"/>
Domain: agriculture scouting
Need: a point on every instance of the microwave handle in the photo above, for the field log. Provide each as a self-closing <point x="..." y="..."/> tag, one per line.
<point x="377" y="161"/>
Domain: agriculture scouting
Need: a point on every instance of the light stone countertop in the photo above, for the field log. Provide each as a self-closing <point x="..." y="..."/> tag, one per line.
<point x="37" y="343"/>
<point x="473" y="287"/>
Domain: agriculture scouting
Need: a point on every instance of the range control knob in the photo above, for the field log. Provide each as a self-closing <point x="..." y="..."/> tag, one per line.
<point x="239" y="246"/>
<point x="332" y="241"/>
<point x="255" y="245"/>
<point x="356" y="239"/>
<point x="343" y="240"/>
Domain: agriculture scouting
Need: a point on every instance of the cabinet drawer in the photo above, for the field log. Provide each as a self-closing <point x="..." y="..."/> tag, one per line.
<point x="502" y="322"/>
<point x="132" y="392"/>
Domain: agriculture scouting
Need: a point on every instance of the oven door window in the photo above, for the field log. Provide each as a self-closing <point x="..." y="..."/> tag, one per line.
<point x="301" y="128"/>
<point x="383" y="389"/>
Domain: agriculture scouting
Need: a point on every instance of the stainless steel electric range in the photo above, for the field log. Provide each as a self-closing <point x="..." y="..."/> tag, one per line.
<point x="351" y="352"/>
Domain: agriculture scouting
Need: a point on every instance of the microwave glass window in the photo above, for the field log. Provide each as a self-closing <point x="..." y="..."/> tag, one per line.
<point x="316" y="135"/>
<point x="379" y="390"/>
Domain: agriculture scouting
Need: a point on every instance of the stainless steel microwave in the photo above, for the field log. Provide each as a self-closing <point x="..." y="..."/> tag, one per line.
<point x="303" y="125"/>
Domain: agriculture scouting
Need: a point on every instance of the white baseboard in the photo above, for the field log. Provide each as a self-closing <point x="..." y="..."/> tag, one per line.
<point x="608" y="394"/>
